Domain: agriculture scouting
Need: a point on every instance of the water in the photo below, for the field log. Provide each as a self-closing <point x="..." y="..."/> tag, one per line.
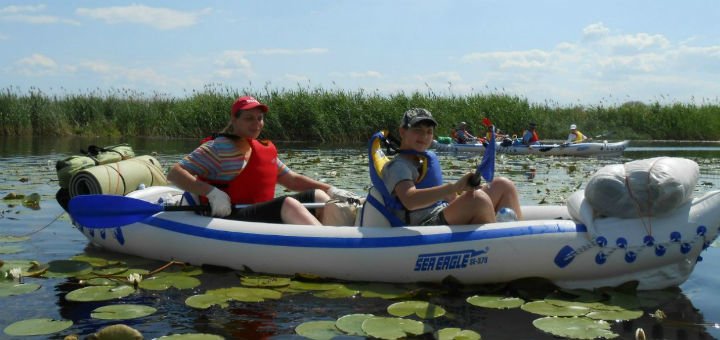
<point x="27" y="166"/>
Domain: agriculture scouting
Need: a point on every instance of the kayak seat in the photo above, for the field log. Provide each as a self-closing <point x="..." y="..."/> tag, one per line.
<point x="371" y="214"/>
<point x="375" y="211"/>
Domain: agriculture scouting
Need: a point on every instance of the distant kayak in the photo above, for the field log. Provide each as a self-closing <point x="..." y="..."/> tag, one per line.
<point x="579" y="149"/>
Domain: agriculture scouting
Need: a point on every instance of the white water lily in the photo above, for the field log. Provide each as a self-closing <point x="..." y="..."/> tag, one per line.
<point x="16" y="273"/>
<point x="134" y="278"/>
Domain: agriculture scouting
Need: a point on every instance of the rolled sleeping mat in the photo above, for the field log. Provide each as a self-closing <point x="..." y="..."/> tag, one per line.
<point x="118" y="178"/>
<point x="68" y="167"/>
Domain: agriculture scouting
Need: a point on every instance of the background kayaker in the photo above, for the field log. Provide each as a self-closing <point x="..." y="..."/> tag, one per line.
<point x="462" y="135"/>
<point x="236" y="168"/>
<point x="431" y="202"/>
<point x="575" y="135"/>
<point x="530" y="136"/>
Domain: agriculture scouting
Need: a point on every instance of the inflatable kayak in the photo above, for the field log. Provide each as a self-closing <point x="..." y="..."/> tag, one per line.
<point x="579" y="149"/>
<point x="552" y="242"/>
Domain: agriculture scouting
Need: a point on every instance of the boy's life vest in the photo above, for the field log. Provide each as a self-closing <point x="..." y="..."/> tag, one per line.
<point x="430" y="176"/>
<point x="256" y="182"/>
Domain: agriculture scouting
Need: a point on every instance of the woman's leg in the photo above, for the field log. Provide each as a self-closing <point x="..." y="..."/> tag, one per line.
<point x="293" y="212"/>
<point x="313" y="196"/>
<point x="503" y="194"/>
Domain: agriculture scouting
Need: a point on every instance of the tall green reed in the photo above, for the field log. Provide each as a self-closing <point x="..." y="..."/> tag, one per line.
<point x="315" y="114"/>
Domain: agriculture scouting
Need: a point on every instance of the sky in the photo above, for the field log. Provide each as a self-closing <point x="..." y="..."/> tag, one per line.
<point x="558" y="52"/>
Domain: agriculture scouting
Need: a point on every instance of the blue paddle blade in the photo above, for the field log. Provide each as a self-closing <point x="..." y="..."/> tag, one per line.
<point x="486" y="168"/>
<point x="107" y="211"/>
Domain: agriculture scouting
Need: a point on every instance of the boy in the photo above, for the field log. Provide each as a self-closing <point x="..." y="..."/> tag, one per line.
<point x="424" y="196"/>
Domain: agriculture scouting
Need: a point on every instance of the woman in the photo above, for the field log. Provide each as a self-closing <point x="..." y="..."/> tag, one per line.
<point x="236" y="168"/>
<point x="425" y="199"/>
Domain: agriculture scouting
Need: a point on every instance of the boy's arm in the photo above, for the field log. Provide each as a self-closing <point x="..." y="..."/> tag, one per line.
<point x="413" y="198"/>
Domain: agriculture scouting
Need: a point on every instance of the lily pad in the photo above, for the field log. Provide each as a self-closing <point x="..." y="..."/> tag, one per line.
<point x="548" y="309"/>
<point x="192" y="336"/>
<point x="168" y="281"/>
<point x="393" y="328"/>
<point x="11" y="249"/>
<point x="339" y="293"/>
<point x="10" y="238"/>
<point x="205" y="301"/>
<point x="122" y="270"/>
<point x="245" y="294"/>
<point x="494" y="301"/>
<point x="352" y="324"/>
<point x="122" y="312"/>
<point x="99" y="293"/>
<point x="264" y="281"/>
<point x="299" y="285"/>
<point x="67" y="268"/>
<point x="183" y="270"/>
<point x="422" y="309"/>
<point x="96" y="261"/>
<point x="456" y="334"/>
<point x="318" y="330"/>
<point x="13" y="288"/>
<point x="575" y="327"/>
<point x="118" y="331"/>
<point x="610" y="315"/>
<point x="378" y="290"/>
<point x="37" y="327"/>
<point x="222" y="296"/>
<point x="27" y="267"/>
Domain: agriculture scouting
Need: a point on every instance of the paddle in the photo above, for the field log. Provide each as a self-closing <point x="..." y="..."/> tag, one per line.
<point x="605" y="134"/>
<point x="108" y="211"/>
<point x="486" y="168"/>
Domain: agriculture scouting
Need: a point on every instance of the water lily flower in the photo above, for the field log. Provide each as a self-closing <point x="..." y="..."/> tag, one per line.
<point x="16" y="273"/>
<point x="134" y="278"/>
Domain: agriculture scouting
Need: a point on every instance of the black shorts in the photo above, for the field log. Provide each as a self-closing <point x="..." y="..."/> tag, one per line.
<point x="269" y="211"/>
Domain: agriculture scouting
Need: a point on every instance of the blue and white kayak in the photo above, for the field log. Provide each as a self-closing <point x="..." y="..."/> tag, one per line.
<point x="550" y="243"/>
<point x="577" y="149"/>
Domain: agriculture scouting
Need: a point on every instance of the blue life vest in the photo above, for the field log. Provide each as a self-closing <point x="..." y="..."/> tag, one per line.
<point x="430" y="176"/>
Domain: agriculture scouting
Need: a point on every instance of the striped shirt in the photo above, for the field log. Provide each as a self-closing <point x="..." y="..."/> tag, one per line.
<point x="220" y="160"/>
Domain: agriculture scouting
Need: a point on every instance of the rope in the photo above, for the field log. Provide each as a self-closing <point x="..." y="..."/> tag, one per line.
<point x="41" y="228"/>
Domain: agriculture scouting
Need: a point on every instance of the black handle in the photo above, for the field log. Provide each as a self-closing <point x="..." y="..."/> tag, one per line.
<point x="475" y="180"/>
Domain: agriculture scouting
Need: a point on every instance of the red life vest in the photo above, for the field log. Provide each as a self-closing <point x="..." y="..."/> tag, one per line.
<point x="256" y="183"/>
<point x="534" y="138"/>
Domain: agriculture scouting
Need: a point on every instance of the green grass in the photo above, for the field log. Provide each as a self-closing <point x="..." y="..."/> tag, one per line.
<point x="336" y="116"/>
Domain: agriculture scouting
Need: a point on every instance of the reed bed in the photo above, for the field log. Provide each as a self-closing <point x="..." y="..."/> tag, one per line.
<point x="337" y="116"/>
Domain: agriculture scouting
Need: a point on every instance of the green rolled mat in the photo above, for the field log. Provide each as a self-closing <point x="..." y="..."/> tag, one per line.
<point x="118" y="178"/>
<point x="68" y="167"/>
<point x="444" y="140"/>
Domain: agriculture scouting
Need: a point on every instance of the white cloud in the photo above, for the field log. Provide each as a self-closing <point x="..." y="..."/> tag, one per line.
<point x="595" y="31"/>
<point x="36" y="65"/>
<point x="440" y="76"/>
<point x="283" y="51"/>
<point x="600" y="63"/>
<point x="297" y="78"/>
<point x="531" y="59"/>
<point x="114" y="74"/>
<point x="160" y="18"/>
<point x="38" y="60"/>
<point x="38" y="19"/>
<point x="232" y="63"/>
<point x="365" y="74"/>
<point x="20" y="14"/>
<point x="20" y="9"/>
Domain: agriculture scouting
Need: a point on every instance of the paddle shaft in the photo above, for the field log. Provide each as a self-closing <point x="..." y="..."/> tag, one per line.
<point x="237" y="206"/>
<point x="104" y="211"/>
